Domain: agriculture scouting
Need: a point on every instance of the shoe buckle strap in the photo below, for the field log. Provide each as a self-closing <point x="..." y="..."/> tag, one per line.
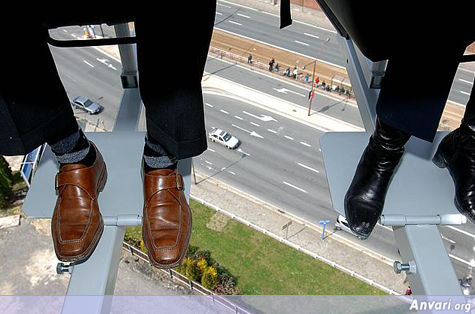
<point x="180" y="185"/>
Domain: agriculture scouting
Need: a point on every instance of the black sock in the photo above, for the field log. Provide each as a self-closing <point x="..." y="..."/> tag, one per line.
<point x="73" y="149"/>
<point x="156" y="157"/>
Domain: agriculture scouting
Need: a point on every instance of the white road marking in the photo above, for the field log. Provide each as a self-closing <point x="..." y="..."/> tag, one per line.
<point x="252" y="133"/>
<point x="261" y="117"/>
<point x="64" y="30"/>
<point x="243" y="152"/>
<point x="255" y="124"/>
<point x="465" y="81"/>
<point x="233" y="173"/>
<point x="465" y="93"/>
<point x="211" y="150"/>
<point x="302" y="43"/>
<point x="222" y="5"/>
<point x="209" y="105"/>
<point x="235" y="23"/>
<point x="305" y="144"/>
<point x="224" y="111"/>
<point x="307" y="167"/>
<point x="242" y="15"/>
<point x="461" y="231"/>
<point x="285" y="91"/>
<point x="289" y="138"/>
<point x="272" y="131"/>
<point x="238" y="117"/>
<point x="217" y="13"/>
<point x="209" y="163"/>
<point x="447" y="239"/>
<point x="295" y="187"/>
<point x="471" y="263"/>
<point x="311" y="35"/>
<point x="88" y="63"/>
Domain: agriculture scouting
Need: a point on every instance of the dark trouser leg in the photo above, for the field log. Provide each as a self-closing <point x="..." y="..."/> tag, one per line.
<point x="172" y="53"/>
<point x="457" y="153"/>
<point x="34" y="106"/>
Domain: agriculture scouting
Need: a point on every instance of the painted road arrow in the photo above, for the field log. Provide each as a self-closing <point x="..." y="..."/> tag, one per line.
<point x="252" y="133"/>
<point x="262" y="117"/>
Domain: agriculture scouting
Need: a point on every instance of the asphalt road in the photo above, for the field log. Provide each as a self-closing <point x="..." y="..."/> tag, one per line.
<point x="309" y="40"/>
<point x="279" y="163"/>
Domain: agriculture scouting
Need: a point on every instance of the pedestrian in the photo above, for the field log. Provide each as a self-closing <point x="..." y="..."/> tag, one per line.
<point x="271" y="65"/>
<point x="408" y="290"/>
<point x="249" y="59"/>
<point x="317" y="80"/>
<point x="295" y="72"/>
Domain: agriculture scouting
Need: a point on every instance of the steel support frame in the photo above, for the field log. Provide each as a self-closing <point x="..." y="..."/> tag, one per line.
<point x="421" y="248"/>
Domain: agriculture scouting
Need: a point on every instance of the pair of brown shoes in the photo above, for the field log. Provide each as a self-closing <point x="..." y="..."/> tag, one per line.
<point x="77" y="223"/>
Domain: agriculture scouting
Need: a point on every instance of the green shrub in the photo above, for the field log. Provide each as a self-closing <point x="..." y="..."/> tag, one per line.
<point x="6" y="183"/>
<point x="204" y="254"/>
<point x="209" y="279"/>
<point x="226" y="285"/>
<point x="192" y="271"/>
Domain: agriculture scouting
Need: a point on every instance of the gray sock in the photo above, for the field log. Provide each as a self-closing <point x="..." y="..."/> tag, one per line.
<point x="72" y="148"/>
<point x="156" y="157"/>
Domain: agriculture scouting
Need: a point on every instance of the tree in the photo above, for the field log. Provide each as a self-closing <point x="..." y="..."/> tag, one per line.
<point x="6" y="183"/>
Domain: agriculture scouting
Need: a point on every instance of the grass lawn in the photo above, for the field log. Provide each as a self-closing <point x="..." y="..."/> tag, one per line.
<point x="263" y="265"/>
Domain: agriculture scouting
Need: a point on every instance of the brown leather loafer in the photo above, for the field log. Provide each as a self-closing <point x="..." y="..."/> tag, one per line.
<point x="77" y="223"/>
<point x="166" y="218"/>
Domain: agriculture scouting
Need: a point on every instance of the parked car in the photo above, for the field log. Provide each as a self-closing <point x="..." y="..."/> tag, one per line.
<point x="87" y="105"/>
<point x="224" y="138"/>
<point x="342" y="224"/>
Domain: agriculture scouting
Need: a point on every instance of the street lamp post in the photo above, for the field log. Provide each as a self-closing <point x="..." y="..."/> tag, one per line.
<point x="313" y="78"/>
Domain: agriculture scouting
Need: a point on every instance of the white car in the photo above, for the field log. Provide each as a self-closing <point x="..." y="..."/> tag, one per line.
<point x="224" y="138"/>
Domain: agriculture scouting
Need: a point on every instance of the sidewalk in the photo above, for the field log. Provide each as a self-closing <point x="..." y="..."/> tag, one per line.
<point x="29" y="266"/>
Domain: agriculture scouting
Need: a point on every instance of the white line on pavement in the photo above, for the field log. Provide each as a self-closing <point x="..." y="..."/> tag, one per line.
<point x="217" y="13"/>
<point x="465" y="81"/>
<point x="305" y="144"/>
<point x="88" y="63"/>
<point x="233" y="173"/>
<point x="255" y="124"/>
<point x="209" y="105"/>
<point x="471" y="263"/>
<point x="465" y="93"/>
<point x="242" y="15"/>
<point x="301" y="43"/>
<point x="461" y="231"/>
<point x="224" y="111"/>
<point x="311" y="35"/>
<point x="242" y="129"/>
<point x="307" y="167"/>
<point x="447" y="239"/>
<point x="289" y="138"/>
<point x="209" y="163"/>
<point x="64" y="30"/>
<point x="211" y="150"/>
<point x="222" y="5"/>
<point x="235" y="23"/>
<point x="272" y="131"/>
<point x="295" y="187"/>
<point x="238" y="117"/>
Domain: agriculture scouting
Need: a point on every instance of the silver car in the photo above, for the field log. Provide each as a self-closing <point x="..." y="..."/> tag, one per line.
<point x="87" y="105"/>
<point x="224" y="138"/>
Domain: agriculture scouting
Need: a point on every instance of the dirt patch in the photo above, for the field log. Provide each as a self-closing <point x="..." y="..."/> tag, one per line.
<point x="218" y="221"/>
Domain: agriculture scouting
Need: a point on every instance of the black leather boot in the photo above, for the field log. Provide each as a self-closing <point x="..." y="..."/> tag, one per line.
<point x="364" y="200"/>
<point x="457" y="152"/>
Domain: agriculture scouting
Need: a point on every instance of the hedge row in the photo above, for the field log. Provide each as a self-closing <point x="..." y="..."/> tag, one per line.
<point x="6" y="183"/>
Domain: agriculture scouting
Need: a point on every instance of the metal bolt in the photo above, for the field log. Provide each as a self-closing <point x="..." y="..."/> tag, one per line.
<point x="62" y="268"/>
<point x="400" y="267"/>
